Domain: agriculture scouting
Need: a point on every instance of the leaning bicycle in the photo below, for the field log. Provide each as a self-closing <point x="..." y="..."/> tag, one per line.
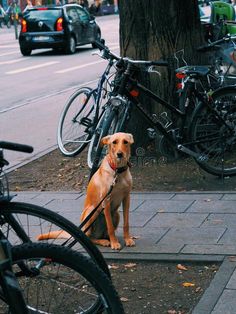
<point x="83" y="110"/>
<point x="211" y="138"/>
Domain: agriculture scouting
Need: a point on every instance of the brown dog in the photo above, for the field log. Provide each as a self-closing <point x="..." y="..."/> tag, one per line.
<point x="115" y="166"/>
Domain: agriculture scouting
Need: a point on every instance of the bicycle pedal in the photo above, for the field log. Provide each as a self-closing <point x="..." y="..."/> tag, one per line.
<point x="86" y="122"/>
<point x="151" y="133"/>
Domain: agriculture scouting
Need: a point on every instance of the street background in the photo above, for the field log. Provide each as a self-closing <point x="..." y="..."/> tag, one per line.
<point x="34" y="89"/>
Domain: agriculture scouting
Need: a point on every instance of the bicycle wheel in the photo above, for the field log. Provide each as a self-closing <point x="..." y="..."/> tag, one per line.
<point x="57" y="280"/>
<point x="22" y="222"/>
<point x="108" y="124"/>
<point x="213" y="134"/>
<point x="76" y="120"/>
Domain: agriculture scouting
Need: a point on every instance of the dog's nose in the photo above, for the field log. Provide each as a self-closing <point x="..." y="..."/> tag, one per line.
<point x="119" y="155"/>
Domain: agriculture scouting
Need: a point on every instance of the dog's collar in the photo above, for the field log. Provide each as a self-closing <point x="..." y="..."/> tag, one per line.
<point x="119" y="169"/>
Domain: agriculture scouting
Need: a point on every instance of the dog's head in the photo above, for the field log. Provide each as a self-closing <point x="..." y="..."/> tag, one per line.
<point x="118" y="147"/>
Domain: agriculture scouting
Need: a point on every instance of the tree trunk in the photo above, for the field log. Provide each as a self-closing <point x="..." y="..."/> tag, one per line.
<point x="154" y="29"/>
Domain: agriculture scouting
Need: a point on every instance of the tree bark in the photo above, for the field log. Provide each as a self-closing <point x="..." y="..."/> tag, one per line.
<point x="154" y="29"/>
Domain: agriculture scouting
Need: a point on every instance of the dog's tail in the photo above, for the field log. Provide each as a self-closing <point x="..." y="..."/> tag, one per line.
<point x="60" y="234"/>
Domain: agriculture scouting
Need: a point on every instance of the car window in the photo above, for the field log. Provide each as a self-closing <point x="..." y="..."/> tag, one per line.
<point x="73" y="14"/>
<point x="83" y="15"/>
<point x="43" y="14"/>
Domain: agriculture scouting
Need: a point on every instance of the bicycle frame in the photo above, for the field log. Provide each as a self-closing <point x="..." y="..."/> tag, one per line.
<point x="181" y="146"/>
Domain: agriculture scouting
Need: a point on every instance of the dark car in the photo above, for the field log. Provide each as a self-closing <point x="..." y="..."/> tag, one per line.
<point x="58" y="27"/>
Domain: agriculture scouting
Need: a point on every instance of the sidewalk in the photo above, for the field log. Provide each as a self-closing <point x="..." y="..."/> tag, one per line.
<point x="191" y="226"/>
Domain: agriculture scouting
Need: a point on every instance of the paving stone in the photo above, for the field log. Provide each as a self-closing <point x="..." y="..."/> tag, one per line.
<point x="67" y="205"/>
<point x="212" y="206"/>
<point x="229" y="197"/>
<point x="164" y="206"/>
<point x="151" y="196"/>
<point x="222" y="220"/>
<point x="197" y="196"/>
<point x="215" y="249"/>
<point x="232" y="282"/>
<point x="198" y="236"/>
<point x="177" y="220"/>
<point x="226" y="303"/>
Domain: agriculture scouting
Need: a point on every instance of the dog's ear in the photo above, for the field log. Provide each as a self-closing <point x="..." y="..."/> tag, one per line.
<point x="131" y="139"/>
<point x="105" y="140"/>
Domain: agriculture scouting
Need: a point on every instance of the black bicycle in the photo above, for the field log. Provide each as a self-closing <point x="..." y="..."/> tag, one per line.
<point x="83" y="110"/>
<point x="211" y="138"/>
<point x="207" y="78"/>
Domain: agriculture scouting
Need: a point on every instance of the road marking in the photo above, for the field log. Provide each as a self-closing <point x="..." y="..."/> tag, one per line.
<point x="13" y="61"/>
<point x="33" y="67"/>
<point x="41" y="97"/>
<point x="79" y="67"/>
<point x="8" y="53"/>
<point x="9" y="46"/>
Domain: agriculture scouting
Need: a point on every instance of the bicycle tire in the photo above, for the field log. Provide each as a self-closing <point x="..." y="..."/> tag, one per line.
<point x="23" y="222"/>
<point x="60" y="280"/>
<point x="75" y="123"/>
<point x="108" y="125"/>
<point x="211" y="138"/>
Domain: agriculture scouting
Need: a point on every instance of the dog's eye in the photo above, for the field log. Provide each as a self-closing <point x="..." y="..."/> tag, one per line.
<point x="125" y="142"/>
<point x="114" y="142"/>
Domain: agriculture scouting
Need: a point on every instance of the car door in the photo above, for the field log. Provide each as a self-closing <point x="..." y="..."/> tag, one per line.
<point x="76" y="26"/>
<point x="87" y="26"/>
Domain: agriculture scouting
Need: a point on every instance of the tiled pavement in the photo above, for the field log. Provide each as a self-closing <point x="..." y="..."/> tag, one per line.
<point x="172" y="226"/>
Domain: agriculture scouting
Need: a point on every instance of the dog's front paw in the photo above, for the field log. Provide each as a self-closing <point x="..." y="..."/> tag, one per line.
<point x="115" y="245"/>
<point x="129" y="242"/>
<point x="105" y="242"/>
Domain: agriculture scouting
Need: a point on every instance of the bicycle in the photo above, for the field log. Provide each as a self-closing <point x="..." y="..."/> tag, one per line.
<point x="82" y="112"/>
<point x="55" y="279"/>
<point x="22" y="223"/>
<point x="206" y="78"/>
<point x="211" y="139"/>
<point x="10" y="289"/>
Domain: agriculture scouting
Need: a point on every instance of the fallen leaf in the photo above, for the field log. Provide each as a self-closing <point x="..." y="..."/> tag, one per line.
<point x="113" y="266"/>
<point x="181" y="267"/>
<point x="207" y="200"/>
<point x="130" y="265"/>
<point x="188" y="284"/>
<point x="172" y="312"/>
<point x="123" y="299"/>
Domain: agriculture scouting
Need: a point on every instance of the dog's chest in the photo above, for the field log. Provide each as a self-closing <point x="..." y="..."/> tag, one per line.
<point x="120" y="190"/>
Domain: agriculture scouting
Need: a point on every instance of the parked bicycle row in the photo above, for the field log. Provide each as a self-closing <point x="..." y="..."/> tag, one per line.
<point x="202" y="126"/>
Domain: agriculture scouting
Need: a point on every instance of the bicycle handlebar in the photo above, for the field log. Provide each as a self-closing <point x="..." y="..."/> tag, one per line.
<point x="108" y="54"/>
<point x="214" y="44"/>
<point x="16" y="147"/>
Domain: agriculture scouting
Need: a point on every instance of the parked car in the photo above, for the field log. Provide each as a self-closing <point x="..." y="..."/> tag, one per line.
<point x="61" y="27"/>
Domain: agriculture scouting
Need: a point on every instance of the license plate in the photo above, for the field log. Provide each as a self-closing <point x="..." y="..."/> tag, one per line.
<point x="40" y="38"/>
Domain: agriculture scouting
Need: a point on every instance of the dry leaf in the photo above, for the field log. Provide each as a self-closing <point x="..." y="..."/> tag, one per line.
<point x="113" y="266"/>
<point x="188" y="284"/>
<point x="181" y="267"/>
<point x="130" y="265"/>
<point x="172" y="312"/>
<point x="123" y="299"/>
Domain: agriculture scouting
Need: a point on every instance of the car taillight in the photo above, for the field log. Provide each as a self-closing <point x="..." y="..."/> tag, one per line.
<point x="59" y="26"/>
<point x="23" y="26"/>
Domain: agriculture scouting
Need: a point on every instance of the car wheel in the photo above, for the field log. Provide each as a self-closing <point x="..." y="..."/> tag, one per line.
<point x="25" y="51"/>
<point x="71" y="46"/>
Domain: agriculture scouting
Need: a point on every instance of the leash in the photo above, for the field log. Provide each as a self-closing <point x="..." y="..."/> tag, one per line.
<point x="92" y="213"/>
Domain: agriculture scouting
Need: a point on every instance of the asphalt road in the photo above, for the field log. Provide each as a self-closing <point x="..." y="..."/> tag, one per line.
<point x="34" y="89"/>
